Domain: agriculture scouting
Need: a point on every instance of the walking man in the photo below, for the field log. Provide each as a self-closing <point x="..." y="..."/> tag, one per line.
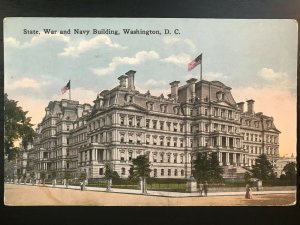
<point x="205" y="187"/>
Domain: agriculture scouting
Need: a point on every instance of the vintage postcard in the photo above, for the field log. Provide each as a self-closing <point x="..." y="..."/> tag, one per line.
<point x="150" y="111"/>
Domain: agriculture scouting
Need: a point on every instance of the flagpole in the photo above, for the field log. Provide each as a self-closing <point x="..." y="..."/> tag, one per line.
<point x="70" y="91"/>
<point x="201" y="69"/>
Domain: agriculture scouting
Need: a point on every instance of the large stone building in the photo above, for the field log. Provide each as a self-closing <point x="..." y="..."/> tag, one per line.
<point x="124" y="123"/>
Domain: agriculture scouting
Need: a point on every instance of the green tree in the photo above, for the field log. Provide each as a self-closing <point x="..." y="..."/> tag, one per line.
<point x="290" y="171"/>
<point x="206" y="167"/>
<point x="215" y="170"/>
<point x="263" y="169"/>
<point x="110" y="175"/>
<point x="201" y="167"/>
<point x="43" y="177"/>
<point x="17" y="127"/>
<point x="140" y="169"/>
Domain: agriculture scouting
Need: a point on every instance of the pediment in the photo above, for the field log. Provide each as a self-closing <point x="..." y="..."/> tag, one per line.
<point x="133" y="107"/>
<point x="224" y="103"/>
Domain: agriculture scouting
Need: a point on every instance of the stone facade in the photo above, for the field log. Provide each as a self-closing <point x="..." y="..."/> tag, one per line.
<point x="124" y="123"/>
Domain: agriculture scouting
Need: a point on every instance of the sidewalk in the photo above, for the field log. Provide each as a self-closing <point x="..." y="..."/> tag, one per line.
<point x="162" y="193"/>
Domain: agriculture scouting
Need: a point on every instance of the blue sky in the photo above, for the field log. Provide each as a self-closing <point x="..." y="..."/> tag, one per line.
<point x="257" y="58"/>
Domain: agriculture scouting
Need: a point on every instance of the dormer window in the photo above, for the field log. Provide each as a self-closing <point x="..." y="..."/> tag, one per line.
<point x="150" y="105"/>
<point x="220" y="95"/>
<point x="163" y="108"/>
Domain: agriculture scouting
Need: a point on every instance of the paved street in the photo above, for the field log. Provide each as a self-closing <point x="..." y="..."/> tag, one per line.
<point x="38" y="195"/>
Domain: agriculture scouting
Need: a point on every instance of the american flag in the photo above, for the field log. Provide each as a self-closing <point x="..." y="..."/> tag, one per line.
<point x="195" y="62"/>
<point x="65" y="88"/>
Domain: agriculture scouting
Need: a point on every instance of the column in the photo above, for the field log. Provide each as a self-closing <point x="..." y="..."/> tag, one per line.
<point x="227" y="142"/>
<point x="219" y="141"/>
<point x="234" y="158"/>
<point x="220" y="159"/>
<point x="227" y="158"/>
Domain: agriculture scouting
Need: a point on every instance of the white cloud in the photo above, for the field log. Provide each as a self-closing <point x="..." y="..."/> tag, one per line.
<point x="75" y="49"/>
<point x="23" y="83"/>
<point x="170" y="39"/>
<point x="137" y="59"/>
<point x="270" y="74"/>
<point x="11" y="42"/>
<point x="35" y="40"/>
<point x="180" y="59"/>
<point x="278" y="80"/>
<point x="191" y="44"/>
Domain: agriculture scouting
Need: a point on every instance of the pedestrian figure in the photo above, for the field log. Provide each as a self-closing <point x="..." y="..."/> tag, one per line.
<point x="248" y="194"/>
<point x="81" y="185"/>
<point x="200" y="189"/>
<point x="205" y="188"/>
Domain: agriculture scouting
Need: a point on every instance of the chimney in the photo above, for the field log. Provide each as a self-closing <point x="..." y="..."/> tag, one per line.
<point x="250" y="106"/>
<point x="241" y="106"/>
<point x="122" y="80"/>
<point x="174" y="89"/>
<point x="192" y="82"/>
<point x="47" y="111"/>
<point x="79" y="111"/>
<point x="130" y="75"/>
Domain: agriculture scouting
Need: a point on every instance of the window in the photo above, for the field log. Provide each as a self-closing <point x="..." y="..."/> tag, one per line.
<point x="161" y="125"/>
<point x="138" y="139"/>
<point x="161" y="141"/>
<point x="175" y="158"/>
<point x="130" y="121"/>
<point x="154" y="124"/>
<point x="68" y="127"/>
<point x="191" y="112"/>
<point x="162" y="172"/>
<point x="101" y="171"/>
<point x="206" y="127"/>
<point x="138" y="122"/>
<point x="147" y="123"/>
<point x="123" y="171"/>
<point x="161" y="157"/>
<point x="222" y="113"/>
<point x="181" y="143"/>
<point x="147" y="140"/>
<point x="129" y="156"/>
<point x="181" y="158"/>
<point x="175" y="172"/>
<point x="182" y="173"/>
<point x="122" y="156"/>
<point x="223" y="128"/>
<point x="122" y="138"/>
<point x="168" y="141"/>
<point x="169" y="126"/>
<point x="191" y="141"/>
<point x="175" y="127"/>
<point x="168" y="158"/>
<point x="169" y="172"/>
<point x="154" y="140"/>
<point x="130" y="138"/>
<point x="154" y="157"/>
<point x="175" y="142"/>
<point x="181" y="127"/>
<point x="155" y="172"/>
